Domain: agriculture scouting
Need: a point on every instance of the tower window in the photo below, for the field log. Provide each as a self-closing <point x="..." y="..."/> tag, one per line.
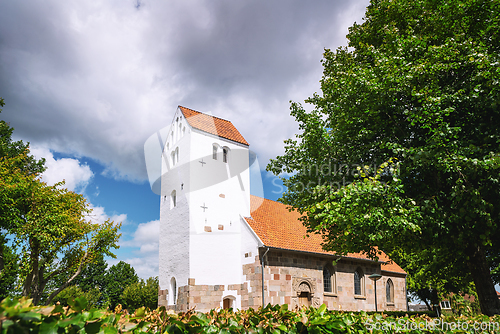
<point x="173" y="287"/>
<point x="214" y="152"/>
<point x="173" y="199"/>
<point x="224" y="154"/>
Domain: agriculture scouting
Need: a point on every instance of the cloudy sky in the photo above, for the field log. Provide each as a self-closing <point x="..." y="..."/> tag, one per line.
<point x="87" y="82"/>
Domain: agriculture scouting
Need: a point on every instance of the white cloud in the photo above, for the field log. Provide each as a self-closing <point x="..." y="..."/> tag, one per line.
<point x="98" y="78"/>
<point x="99" y="215"/>
<point x="76" y="175"/>
<point x="145" y="239"/>
<point x="145" y="267"/>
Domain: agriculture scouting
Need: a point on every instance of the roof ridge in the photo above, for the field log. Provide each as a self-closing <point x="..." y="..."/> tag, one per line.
<point x="267" y="199"/>
<point x="204" y="113"/>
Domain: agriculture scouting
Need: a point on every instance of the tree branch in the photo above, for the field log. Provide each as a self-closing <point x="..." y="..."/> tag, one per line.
<point x="62" y="287"/>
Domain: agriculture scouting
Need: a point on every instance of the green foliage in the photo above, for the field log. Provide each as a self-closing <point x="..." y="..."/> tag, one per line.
<point x="8" y="270"/>
<point x="49" y="226"/>
<point x="11" y="149"/>
<point x="92" y="295"/>
<point x="92" y="278"/>
<point x="466" y="307"/>
<point x="50" y="229"/>
<point x="118" y="277"/>
<point x="141" y="294"/>
<point x="20" y="316"/>
<point x="401" y="152"/>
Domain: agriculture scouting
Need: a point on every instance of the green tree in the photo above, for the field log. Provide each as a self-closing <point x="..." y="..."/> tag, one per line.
<point x="92" y="296"/>
<point x="91" y="279"/>
<point x="401" y="152"/>
<point x="118" y="277"/>
<point x="50" y="229"/>
<point x="10" y="149"/>
<point x="141" y="294"/>
<point x="8" y="274"/>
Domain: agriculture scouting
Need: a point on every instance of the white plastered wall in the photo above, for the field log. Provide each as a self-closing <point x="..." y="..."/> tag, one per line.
<point x="209" y="194"/>
<point x="174" y="222"/>
<point x="219" y="195"/>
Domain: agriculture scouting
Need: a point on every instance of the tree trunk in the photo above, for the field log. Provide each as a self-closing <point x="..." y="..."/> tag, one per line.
<point x="488" y="299"/>
<point x="2" y="262"/>
<point x="65" y="285"/>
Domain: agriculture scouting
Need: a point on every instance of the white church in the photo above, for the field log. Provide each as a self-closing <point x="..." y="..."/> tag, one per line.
<point x="221" y="247"/>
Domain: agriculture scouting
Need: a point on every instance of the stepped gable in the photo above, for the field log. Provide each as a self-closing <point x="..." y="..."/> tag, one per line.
<point x="213" y="125"/>
<point x="278" y="227"/>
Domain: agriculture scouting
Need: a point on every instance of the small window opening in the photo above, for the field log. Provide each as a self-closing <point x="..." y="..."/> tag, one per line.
<point x="214" y="152"/>
<point x="173" y="199"/>
<point x="224" y="155"/>
<point x="173" y="285"/>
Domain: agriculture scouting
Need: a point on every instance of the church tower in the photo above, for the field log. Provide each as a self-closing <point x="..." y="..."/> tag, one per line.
<point x="205" y="193"/>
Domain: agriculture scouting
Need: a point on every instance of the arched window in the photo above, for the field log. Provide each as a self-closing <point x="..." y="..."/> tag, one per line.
<point x="359" y="281"/>
<point x="173" y="199"/>
<point x="328" y="279"/>
<point x="176" y="155"/>
<point x="172" y="155"/>
<point x="225" y="152"/>
<point x="173" y="287"/>
<point x="389" y="291"/>
<point x="214" y="152"/>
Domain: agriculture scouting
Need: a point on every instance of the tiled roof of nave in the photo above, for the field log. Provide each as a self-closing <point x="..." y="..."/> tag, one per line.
<point x="213" y="125"/>
<point x="278" y="227"/>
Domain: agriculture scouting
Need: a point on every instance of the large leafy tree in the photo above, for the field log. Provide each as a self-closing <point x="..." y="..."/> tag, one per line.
<point x="50" y="229"/>
<point x="10" y="149"/>
<point x="49" y="226"/>
<point x="401" y="151"/>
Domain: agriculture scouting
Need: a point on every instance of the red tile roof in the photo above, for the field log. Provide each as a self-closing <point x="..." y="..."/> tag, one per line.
<point x="278" y="227"/>
<point x="213" y="125"/>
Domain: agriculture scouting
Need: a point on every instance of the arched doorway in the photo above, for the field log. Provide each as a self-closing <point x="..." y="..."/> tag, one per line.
<point x="228" y="302"/>
<point x="304" y="294"/>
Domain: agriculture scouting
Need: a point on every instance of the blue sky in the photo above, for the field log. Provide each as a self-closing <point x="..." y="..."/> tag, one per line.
<point x="132" y="203"/>
<point x="87" y="83"/>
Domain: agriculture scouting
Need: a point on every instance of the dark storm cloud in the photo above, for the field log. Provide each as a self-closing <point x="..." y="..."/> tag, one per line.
<point x="96" y="79"/>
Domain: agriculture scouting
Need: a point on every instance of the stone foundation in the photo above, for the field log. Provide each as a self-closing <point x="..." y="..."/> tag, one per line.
<point x="295" y="279"/>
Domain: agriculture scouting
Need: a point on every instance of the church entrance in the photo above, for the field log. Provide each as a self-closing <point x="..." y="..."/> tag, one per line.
<point x="304" y="299"/>
<point x="304" y="294"/>
<point x="227" y="303"/>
